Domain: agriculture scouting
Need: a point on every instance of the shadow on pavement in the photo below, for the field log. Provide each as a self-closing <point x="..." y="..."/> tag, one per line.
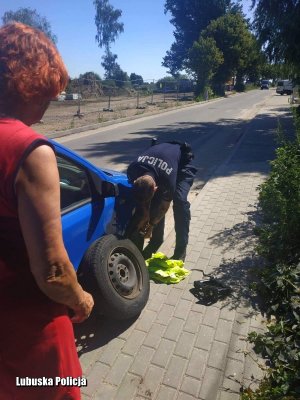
<point x="97" y="331"/>
<point x="226" y="131"/>
<point x="240" y="274"/>
<point x="124" y="151"/>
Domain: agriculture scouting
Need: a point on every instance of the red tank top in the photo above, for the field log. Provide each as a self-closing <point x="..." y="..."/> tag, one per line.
<point x="36" y="335"/>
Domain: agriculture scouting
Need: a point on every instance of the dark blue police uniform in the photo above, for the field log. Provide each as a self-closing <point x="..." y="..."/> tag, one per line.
<point x="170" y="166"/>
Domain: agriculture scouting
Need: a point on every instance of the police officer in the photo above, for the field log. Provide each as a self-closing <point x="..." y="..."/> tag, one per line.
<point x="159" y="175"/>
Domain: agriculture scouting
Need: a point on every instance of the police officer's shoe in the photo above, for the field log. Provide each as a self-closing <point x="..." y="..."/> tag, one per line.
<point x="179" y="254"/>
<point x="152" y="247"/>
<point x="149" y="250"/>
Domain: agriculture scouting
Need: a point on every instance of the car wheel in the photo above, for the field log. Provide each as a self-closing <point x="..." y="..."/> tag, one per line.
<point x="115" y="272"/>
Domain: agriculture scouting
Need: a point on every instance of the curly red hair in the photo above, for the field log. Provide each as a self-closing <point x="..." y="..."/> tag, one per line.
<point x="31" y="69"/>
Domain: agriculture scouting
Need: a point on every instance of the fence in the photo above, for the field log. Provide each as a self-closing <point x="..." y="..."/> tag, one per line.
<point x="89" y="103"/>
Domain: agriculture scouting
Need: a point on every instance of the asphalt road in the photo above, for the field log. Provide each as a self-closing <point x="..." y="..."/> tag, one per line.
<point x="213" y="128"/>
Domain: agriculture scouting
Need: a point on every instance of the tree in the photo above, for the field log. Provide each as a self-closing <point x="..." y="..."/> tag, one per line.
<point x="88" y="85"/>
<point x="106" y="20"/>
<point x="30" y="17"/>
<point x="166" y="83"/>
<point x="120" y="76"/>
<point x="283" y="70"/>
<point x="277" y="26"/>
<point x="204" y="60"/>
<point x="89" y="77"/>
<point x="136" y="79"/>
<point x="238" y="46"/>
<point x="109" y="63"/>
<point x="113" y="71"/>
<point x="108" y="29"/>
<point x="181" y="76"/>
<point x="190" y="18"/>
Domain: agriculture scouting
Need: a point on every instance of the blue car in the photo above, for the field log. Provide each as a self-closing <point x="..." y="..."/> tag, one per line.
<point x="96" y="207"/>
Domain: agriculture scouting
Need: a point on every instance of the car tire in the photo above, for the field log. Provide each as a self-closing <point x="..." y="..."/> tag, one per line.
<point x="114" y="271"/>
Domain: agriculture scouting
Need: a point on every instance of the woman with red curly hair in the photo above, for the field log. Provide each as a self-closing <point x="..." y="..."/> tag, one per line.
<point x="38" y="283"/>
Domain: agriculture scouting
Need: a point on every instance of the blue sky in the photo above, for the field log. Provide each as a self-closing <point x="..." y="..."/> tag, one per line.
<point x="147" y="34"/>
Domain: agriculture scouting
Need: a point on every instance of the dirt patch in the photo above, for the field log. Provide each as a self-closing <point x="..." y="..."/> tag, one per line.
<point x="64" y="115"/>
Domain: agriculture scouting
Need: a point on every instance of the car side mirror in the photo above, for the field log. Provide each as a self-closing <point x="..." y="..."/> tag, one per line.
<point x="104" y="188"/>
<point x="109" y="189"/>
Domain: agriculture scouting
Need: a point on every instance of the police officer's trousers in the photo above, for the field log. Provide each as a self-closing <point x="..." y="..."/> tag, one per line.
<point x="181" y="211"/>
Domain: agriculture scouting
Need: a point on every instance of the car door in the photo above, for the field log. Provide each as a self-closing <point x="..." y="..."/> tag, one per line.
<point x="82" y="209"/>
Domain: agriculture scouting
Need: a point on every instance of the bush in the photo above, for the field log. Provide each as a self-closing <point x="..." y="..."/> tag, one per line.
<point x="280" y="202"/>
<point x="279" y="244"/>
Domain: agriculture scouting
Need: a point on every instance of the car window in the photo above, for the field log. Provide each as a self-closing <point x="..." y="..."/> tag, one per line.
<point x="74" y="183"/>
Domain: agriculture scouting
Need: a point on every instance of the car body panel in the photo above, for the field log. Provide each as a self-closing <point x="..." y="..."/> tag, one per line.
<point x="100" y="211"/>
<point x="83" y="226"/>
<point x="284" y="86"/>
<point x="106" y="174"/>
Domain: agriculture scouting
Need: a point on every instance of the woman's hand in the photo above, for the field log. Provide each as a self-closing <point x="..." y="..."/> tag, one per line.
<point x="84" y="309"/>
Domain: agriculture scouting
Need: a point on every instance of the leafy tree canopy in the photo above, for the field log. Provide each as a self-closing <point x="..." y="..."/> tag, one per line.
<point x="136" y="79"/>
<point x="167" y="78"/>
<point x="190" y="18"/>
<point x="237" y="44"/>
<point x="30" y="17"/>
<point x="277" y="25"/>
<point x="108" y="29"/>
<point x="204" y="60"/>
<point x="226" y="48"/>
<point x="181" y="76"/>
<point x="109" y="63"/>
<point x="113" y="70"/>
<point x="107" y="23"/>
<point x="88" y="77"/>
<point x="120" y="76"/>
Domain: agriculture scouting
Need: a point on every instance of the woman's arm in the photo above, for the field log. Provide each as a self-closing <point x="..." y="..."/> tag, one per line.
<point x="38" y="194"/>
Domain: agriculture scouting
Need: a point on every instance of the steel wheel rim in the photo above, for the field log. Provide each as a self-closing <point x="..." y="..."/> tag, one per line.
<point x="125" y="273"/>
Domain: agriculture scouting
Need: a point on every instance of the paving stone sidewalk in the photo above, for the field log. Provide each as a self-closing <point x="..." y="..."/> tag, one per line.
<point x="179" y="348"/>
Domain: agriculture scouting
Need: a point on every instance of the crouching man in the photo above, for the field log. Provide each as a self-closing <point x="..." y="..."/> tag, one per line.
<point x="159" y="175"/>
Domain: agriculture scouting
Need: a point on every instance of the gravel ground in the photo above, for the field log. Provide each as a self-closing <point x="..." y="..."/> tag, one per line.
<point x="64" y="115"/>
